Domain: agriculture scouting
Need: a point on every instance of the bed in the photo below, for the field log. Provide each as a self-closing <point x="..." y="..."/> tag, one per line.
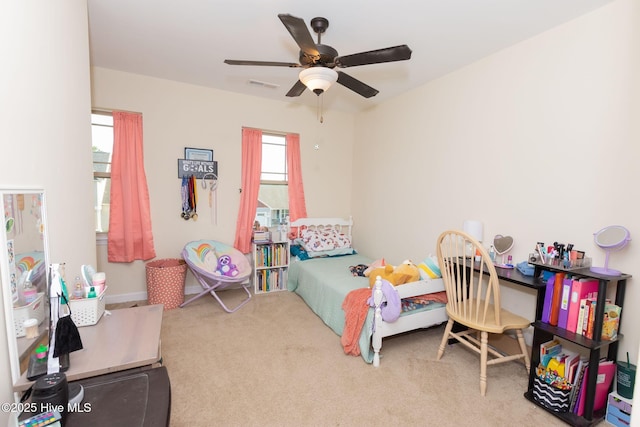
<point x="323" y="280"/>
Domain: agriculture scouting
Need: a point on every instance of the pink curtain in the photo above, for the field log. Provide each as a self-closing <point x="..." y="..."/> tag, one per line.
<point x="251" y="170"/>
<point x="130" y="237"/>
<point x="297" y="205"/>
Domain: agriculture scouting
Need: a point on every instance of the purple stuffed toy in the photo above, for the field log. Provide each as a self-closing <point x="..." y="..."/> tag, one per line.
<point x="226" y="267"/>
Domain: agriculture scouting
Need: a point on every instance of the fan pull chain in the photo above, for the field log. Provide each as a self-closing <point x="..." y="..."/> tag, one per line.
<point x="320" y="108"/>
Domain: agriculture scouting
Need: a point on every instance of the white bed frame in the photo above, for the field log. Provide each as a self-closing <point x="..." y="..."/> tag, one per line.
<point x="340" y="224"/>
<point x="382" y="329"/>
<point x="409" y="322"/>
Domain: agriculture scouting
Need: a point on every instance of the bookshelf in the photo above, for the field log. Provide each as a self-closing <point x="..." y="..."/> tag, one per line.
<point x="543" y="332"/>
<point x="270" y="266"/>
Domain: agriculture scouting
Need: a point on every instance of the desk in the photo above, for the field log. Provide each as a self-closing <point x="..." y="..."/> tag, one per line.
<point x="128" y="338"/>
<point x="544" y="332"/>
<point x="514" y="276"/>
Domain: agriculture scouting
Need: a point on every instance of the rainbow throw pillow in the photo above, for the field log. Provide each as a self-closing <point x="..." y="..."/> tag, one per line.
<point x="429" y="268"/>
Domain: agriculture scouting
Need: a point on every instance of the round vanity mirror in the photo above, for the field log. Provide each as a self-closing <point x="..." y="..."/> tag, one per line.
<point x="612" y="238"/>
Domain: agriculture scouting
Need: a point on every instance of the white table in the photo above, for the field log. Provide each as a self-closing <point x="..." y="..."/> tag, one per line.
<point x="128" y="338"/>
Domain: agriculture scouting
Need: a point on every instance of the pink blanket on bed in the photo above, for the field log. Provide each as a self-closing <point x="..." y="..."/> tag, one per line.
<point x="355" y="308"/>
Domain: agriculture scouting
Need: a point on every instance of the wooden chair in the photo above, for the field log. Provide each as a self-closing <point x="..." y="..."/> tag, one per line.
<point x="474" y="302"/>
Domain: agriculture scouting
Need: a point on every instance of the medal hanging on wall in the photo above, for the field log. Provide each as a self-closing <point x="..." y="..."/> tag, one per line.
<point x="193" y="198"/>
<point x="184" y="193"/>
<point x="189" y="195"/>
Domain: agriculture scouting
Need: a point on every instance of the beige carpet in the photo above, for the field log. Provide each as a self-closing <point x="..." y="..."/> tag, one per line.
<point x="274" y="363"/>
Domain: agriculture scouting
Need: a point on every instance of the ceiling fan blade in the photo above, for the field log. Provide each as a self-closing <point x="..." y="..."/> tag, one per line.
<point x="267" y="63"/>
<point x="356" y="85"/>
<point x="297" y="89"/>
<point x="389" y="54"/>
<point x="300" y="33"/>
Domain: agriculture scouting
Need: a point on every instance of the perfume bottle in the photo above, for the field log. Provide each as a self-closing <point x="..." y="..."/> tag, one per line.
<point x="78" y="291"/>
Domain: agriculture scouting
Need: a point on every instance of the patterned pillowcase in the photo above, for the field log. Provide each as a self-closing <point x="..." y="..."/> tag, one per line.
<point x="323" y="240"/>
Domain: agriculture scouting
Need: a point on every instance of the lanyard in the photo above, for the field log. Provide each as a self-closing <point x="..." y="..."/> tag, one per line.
<point x="189" y="194"/>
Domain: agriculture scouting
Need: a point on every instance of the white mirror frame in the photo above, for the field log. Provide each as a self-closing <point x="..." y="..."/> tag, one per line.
<point x="12" y="345"/>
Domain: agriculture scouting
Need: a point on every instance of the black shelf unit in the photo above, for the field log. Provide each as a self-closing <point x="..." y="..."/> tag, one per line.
<point x="543" y="332"/>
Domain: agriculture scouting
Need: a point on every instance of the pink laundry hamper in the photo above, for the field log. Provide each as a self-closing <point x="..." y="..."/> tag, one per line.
<point x="165" y="282"/>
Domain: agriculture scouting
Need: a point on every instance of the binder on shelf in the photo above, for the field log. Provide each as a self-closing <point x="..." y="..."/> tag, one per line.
<point x="580" y="289"/>
<point x="548" y="295"/>
<point x="555" y="298"/>
<point x="564" y="302"/>
<point x="606" y="372"/>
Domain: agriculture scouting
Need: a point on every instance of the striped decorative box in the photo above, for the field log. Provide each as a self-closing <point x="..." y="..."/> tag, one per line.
<point x="550" y="397"/>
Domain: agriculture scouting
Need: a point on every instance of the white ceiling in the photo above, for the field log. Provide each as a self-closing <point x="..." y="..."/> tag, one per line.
<point x="188" y="41"/>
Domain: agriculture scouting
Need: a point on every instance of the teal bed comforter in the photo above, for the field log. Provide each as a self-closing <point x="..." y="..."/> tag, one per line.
<point x="323" y="283"/>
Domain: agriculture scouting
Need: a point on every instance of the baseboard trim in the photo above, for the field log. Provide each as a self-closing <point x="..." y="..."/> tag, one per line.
<point x="142" y="296"/>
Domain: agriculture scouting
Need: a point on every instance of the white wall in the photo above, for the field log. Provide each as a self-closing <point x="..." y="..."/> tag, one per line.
<point x="178" y="115"/>
<point x="499" y="141"/>
<point x="45" y="128"/>
<point x="538" y="141"/>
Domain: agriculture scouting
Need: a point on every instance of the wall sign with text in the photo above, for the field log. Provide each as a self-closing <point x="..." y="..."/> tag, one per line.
<point x="198" y="168"/>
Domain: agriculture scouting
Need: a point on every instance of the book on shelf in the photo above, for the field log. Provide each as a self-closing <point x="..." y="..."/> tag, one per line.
<point x="606" y="372"/>
<point x="261" y="236"/>
<point x="589" y="314"/>
<point x="270" y="280"/>
<point x="576" y="382"/>
<point x="589" y="318"/>
<point x="581" y="289"/>
<point x="548" y="350"/>
<point x="580" y="323"/>
<point x="611" y="321"/>
<point x="571" y="365"/>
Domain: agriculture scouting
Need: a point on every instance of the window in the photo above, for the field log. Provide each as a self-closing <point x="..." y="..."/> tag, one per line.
<point x="102" y="148"/>
<point x="273" y="197"/>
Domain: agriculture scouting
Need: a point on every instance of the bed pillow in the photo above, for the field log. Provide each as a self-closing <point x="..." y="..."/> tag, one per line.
<point x="299" y="252"/>
<point x="331" y="253"/>
<point x="323" y="240"/>
<point x="429" y="268"/>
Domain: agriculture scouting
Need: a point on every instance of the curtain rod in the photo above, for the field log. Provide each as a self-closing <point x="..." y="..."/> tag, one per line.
<point x="273" y="132"/>
<point x="111" y="110"/>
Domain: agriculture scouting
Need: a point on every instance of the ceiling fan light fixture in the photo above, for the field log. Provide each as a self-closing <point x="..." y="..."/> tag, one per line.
<point x="318" y="79"/>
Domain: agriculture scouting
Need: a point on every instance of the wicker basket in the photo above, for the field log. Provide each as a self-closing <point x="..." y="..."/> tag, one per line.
<point x="33" y="310"/>
<point x="87" y="311"/>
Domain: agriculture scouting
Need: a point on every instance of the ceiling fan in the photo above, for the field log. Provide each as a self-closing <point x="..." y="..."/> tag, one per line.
<point x="319" y="60"/>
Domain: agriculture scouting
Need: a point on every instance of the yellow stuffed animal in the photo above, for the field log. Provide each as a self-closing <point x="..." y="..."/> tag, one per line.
<point x="389" y="273"/>
<point x="410" y="269"/>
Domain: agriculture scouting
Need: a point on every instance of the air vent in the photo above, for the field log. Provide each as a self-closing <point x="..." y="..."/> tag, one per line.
<point x="263" y="84"/>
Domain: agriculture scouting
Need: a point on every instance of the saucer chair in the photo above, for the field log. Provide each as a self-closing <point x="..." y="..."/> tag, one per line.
<point x="202" y="258"/>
